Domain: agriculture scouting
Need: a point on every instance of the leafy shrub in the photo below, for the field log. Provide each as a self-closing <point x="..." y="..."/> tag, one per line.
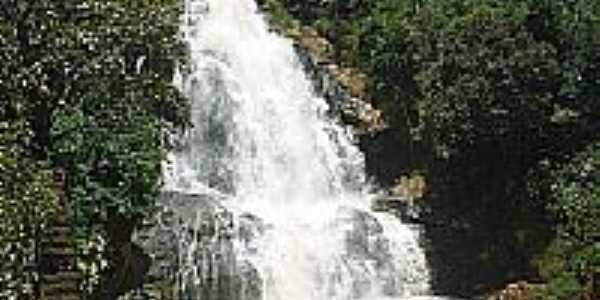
<point x="27" y="203"/>
<point x="572" y="195"/>
<point x="85" y="87"/>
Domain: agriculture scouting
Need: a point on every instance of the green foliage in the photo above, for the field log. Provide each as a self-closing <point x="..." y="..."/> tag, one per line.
<point x="500" y="95"/>
<point x="576" y="196"/>
<point x="312" y="10"/>
<point x="485" y="80"/>
<point x="573" y="196"/>
<point x="92" y="79"/>
<point x="27" y="201"/>
<point x="564" y="287"/>
<point x="279" y="14"/>
<point x="470" y="71"/>
<point x="85" y="87"/>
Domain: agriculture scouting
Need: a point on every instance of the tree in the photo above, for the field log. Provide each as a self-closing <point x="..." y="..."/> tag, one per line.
<point x="86" y="86"/>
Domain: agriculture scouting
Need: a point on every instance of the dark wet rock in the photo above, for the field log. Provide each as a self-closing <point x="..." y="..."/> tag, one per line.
<point x="364" y="237"/>
<point x="191" y="242"/>
<point x="407" y="211"/>
<point x="369" y="252"/>
<point x="250" y="227"/>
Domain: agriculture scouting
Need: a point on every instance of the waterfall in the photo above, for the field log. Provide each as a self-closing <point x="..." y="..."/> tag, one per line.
<point x="290" y="215"/>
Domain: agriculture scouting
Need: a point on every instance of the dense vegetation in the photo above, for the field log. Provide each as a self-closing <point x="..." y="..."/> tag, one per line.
<point x="499" y="101"/>
<point x="85" y="95"/>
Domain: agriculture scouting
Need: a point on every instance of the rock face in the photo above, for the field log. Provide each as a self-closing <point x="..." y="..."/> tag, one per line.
<point x="191" y="243"/>
<point x="520" y="290"/>
<point x="343" y="88"/>
<point x="405" y="210"/>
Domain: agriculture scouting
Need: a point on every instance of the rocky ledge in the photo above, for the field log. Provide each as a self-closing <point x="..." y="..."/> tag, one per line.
<point x="520" y="290"/>
<point x="345" y="89"/>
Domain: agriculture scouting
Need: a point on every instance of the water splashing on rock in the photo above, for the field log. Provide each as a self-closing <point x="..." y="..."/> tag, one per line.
<point x="271" y="191"/>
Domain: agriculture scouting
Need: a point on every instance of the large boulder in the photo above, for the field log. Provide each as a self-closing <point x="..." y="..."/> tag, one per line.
<point x="192" y="245"/>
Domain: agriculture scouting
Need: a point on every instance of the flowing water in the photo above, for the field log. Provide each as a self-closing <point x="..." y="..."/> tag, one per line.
<point x="287" y="179"/>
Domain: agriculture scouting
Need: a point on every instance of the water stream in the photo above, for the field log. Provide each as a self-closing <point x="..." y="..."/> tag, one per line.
<point x="286" y="182"/>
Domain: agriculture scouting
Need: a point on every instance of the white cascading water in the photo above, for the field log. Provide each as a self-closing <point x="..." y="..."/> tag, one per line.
<point x="263" y="146"/>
